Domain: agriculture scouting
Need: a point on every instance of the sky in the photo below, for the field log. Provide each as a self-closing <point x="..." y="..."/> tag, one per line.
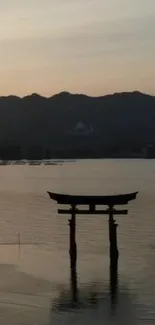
<point x="94" y="47"/>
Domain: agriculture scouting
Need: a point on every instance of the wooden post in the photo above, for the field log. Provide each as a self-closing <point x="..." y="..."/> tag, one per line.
<point x="73" y="249"/>
<point x="113" y="255"/>
<point x="113" y="238"/>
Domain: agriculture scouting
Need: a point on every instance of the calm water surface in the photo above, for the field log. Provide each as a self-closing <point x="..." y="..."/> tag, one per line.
<point x="35" y="283"/>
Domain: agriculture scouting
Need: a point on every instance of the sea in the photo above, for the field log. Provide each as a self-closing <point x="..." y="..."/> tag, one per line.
<point x="36" y="287"/>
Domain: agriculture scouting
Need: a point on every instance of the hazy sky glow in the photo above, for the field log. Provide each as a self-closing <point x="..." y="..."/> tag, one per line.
<point x="82" y="46"/>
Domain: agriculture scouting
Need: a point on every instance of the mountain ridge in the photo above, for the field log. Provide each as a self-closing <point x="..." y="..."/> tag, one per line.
<point x="121" y="120"/>
<point x="66" y="93"/>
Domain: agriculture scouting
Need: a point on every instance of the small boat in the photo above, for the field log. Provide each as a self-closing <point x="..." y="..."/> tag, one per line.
<point x="4" y="162"/>
<point x="50" y="163"/>
<point x="34" y="163"/>
<point x="18" y="162"/>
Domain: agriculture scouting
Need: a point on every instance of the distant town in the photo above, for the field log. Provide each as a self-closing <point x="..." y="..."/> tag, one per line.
<point x="16" y="153"/>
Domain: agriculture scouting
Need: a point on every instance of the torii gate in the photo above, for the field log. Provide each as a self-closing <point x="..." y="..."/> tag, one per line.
<point x="92" y="202"/>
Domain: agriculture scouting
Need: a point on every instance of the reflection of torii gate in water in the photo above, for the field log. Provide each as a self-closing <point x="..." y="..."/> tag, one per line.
<point x="92" y="202"/>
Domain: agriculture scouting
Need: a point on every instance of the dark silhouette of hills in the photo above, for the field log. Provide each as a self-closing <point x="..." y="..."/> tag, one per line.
<point x="77" y="125"/>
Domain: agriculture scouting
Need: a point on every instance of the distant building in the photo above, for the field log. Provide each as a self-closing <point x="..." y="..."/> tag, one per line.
<point x="11" y="153"/>
<point x="82" y="129"/>
<point x="149" y="151"/>
<point x="34" y="153"/>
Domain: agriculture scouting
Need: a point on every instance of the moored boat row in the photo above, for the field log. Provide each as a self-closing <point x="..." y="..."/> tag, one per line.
<point x="29" y="162"/>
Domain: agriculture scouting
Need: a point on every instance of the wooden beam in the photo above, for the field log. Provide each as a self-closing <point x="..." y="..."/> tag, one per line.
<point x="95" y="212"/>
<point x="92" y="200"/>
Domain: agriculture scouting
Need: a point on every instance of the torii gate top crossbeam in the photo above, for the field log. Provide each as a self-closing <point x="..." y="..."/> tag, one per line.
<point x="91" y="200"/>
